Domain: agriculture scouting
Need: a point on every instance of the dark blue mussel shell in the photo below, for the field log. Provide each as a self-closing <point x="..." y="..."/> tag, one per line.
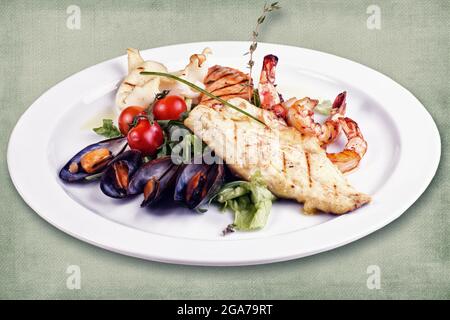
<point x="197" y="183"/>
<point x="153" y="179"/>
<point x="114" y="182"/>
<point x="115" y="146"/>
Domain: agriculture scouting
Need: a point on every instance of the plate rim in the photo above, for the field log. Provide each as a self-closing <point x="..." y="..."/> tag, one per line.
<point x="157" y="256"/>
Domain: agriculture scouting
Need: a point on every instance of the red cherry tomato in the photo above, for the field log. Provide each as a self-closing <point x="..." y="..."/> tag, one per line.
<point x="127" y="116"/>
<point x="169" y="108"/>
<point x="279" y="111"/>
<point x="146" y="137"/>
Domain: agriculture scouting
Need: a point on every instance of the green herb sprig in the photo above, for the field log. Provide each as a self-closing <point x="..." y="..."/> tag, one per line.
<point x="267" y="9"/>
<point x="108" y="129"/>
<point x="206" y="93"/>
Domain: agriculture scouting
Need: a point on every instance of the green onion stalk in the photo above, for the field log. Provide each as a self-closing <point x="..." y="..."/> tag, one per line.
<point x="197" y="88"/>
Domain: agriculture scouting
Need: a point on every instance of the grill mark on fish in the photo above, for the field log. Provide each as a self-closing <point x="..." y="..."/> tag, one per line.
<point x="308" y="169"/>
<point x="284" y="162"/>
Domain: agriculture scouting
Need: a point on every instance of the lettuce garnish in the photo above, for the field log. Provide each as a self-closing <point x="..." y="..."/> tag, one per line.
<point x="250" y="201"/>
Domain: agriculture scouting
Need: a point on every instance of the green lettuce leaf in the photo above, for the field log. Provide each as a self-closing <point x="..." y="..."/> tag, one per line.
<point x="324" y="107"/>
<point x="250" y="201"/>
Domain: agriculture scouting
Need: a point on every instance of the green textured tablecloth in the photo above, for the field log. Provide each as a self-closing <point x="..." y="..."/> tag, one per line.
<point x="37" y="50"/>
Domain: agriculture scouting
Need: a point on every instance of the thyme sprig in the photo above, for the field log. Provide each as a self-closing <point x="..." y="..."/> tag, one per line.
<point x="267" y="9"/>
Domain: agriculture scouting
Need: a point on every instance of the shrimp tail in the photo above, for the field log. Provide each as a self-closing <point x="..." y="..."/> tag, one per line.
<point x="268" y="94"/>
<point x="340" y="104"/>
<point x="333" y="124"/>
<point x="269" y="66"/>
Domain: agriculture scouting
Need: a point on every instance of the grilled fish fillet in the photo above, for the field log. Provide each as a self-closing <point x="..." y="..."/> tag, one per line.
<point x="293" y="165"/>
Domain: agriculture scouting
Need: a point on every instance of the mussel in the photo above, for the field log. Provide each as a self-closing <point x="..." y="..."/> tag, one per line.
<point x="153" y="179"/>
<point x="196" y="183"/>
<point x="116" y="178"/>
<point x="93" y="159"/>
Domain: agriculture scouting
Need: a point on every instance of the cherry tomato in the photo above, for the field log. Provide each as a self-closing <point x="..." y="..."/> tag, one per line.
<point x="279" y="111"/>
<point x="127" y="116"/>
<point x="146" y="137"/>
<point x="169" y="108"/>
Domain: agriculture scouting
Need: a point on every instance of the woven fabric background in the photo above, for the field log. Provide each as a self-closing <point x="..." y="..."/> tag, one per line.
<point x="38" y="50"/>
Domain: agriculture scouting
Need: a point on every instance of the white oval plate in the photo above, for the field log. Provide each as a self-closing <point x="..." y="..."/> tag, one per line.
<point x="403" y="155"/>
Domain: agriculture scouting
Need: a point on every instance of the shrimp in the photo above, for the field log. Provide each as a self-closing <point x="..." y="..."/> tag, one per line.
<point x="268" y="94"/>
<point x="301" y="116"/>
<point x="354" y="150"/>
